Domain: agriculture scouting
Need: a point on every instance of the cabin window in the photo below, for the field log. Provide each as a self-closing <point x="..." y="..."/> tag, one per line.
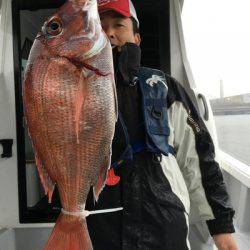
<point x="217" y="38"/>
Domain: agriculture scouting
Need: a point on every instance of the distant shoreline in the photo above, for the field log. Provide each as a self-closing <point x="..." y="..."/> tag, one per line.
<point x="230" y="112"/>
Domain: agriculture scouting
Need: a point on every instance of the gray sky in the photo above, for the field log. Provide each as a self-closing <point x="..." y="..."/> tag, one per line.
<point x="217" y="36"/>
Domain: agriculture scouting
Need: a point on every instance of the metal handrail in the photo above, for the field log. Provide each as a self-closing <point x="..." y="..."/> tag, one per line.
<point x="235" y="168"/>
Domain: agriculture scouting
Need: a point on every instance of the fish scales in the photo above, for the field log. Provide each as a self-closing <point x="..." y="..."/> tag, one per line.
<point x="71" y="109"/>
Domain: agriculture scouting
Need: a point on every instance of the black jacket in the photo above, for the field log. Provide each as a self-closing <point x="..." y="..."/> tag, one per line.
<point x="157" y="194"/>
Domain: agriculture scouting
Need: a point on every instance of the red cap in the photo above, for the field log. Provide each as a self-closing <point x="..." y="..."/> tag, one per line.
<point x="123" y="7"/>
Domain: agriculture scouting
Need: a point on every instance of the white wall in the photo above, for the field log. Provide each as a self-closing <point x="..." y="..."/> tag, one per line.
<point x="8" y="167"/>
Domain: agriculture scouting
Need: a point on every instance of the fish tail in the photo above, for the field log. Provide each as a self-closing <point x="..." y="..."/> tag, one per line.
<point x="70" y="233"/>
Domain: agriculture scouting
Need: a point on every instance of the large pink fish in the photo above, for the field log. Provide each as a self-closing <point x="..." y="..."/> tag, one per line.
<point x="70" y="108"/>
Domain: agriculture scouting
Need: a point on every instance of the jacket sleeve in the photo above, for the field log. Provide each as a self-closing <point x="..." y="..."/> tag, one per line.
<point x="196" y="159"/>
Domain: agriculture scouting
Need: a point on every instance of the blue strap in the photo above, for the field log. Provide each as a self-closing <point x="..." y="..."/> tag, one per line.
<point x="172" y="150"/>
<point x="127" y="154"/>
<point x="116" y="164"/>
<point x="138" y="146"/>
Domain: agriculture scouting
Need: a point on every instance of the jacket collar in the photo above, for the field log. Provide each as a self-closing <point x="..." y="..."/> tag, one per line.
<point x="127" y="63"/>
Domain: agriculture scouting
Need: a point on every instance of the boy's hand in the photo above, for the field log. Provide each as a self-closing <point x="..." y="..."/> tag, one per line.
<point x="225" y="242"/>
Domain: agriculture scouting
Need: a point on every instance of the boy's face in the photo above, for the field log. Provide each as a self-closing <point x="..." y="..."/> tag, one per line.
<point x="119" y="29"/>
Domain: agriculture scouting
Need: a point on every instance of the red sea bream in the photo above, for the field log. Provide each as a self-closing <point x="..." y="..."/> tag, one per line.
<point x="70" y="108"/>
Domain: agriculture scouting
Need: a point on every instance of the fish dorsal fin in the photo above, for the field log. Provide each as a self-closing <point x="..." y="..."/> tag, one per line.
<point x="46" y="181"/>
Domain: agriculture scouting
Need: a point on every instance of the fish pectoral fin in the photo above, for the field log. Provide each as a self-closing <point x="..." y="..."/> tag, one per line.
<point x="46" y="181"/>
<point x="81" y="94"/>
<point x="98" y="187"/>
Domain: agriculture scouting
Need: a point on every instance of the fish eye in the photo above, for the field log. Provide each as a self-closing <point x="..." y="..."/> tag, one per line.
<point x="54" y="27"/>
